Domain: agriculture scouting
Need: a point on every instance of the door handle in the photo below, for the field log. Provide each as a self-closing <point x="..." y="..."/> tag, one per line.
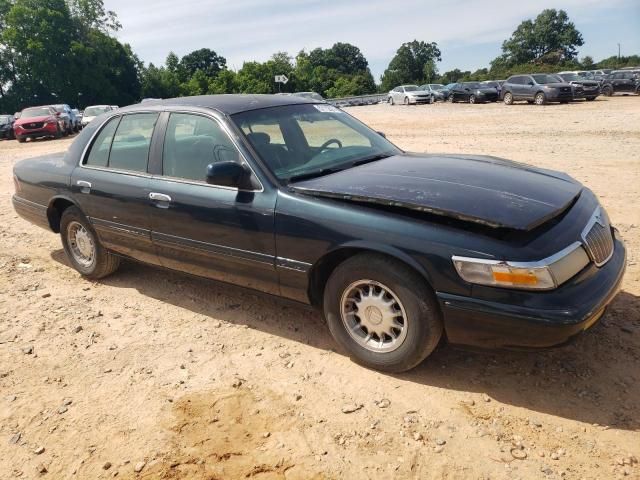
<point x="85" y="187"/>
<point x="159" y="197"/>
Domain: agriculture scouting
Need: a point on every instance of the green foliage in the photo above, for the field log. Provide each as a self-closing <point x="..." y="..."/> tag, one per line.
<point x="614" y="62"/>
<point x="549" y="39"/>
<point x="55" y="51"/>
<point x="204" y="59"/>
<point x="414" y="62"/>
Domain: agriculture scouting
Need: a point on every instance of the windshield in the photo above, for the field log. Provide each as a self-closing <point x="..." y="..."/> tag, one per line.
<point x="472" y="85"/>
<point x="303" y="141"/>
<point x="35" y="112"/>
<point x="95" y="111"/>
<point x="4" y="119"/>
<point x="411" y="88"/>
<point x="543" y="78"/>
<point x="436" y="86"/>
<point x="570" y="77"/>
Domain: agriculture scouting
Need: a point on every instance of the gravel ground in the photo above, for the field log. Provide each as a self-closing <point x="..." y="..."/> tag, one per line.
<point x="155" y="374"/>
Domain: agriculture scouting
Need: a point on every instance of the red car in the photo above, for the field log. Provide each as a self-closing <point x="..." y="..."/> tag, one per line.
<point x="35" y="122"/>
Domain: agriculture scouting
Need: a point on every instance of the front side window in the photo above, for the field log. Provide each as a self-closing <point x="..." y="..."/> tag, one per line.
<point x="192" y="143"/>
<point x="316" y="139"/>
<point x="131" y="142"/>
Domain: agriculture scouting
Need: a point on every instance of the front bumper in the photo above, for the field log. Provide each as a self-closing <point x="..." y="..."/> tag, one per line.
<point x="534" y="319"/>
<point x="47" y="130"/>
<point x="419" y="100"/>
<point x="7" y="133"/>
<point x="558" y="95"/>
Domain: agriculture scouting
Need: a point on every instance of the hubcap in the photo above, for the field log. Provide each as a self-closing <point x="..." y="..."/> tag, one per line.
<point x="81" y="244"/>
<point x="373" y="316"/>
<point x="539" y="99"/>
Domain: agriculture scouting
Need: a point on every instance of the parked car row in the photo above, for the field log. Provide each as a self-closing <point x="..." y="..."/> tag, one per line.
<point x="52" y="121"/>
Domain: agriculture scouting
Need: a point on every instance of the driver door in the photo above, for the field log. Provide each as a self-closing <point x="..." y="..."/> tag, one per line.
<point x="207" y="230"/>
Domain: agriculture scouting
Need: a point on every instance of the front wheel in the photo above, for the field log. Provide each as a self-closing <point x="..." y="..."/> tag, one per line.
<point x="539" y="99"/>
<point x="508" y="98"/>
<point x="382" y="313"/>
<point x="450" y="99"/>
<point x="406" y="100"/>
<point x="83" y="248"/>
<point x="390" y="100"/>
<point x="607" y="91"/>
<point x="472" y="99"/>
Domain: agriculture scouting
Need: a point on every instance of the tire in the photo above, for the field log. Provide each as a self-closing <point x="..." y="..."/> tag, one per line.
<point x="508" y="98"/>
<point x="450" y="99"/>
<point x="540" y="99"/>
<point x="391" y="101"/>
<point x="590" y="99"/>
<point x="406" y="294"/>
<point x="58" y="133"/>
<point x="100" y="262"/>
<point x="432" y="100"/>
<point x="607" y="91"/>
<point x="406" y="101"/>
<point x="472" y="99"/>
<point x="22" y="140"/>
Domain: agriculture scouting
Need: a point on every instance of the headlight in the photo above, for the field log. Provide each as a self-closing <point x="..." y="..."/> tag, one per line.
<point x="504" y="275"/>
<point x="545" y="274"/>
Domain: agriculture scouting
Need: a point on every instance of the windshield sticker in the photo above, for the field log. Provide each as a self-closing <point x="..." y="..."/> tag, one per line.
<point x="327" y="109"/>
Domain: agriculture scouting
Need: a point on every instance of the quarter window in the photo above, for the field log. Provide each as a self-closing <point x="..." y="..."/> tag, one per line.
<point x="130" y="147"/>
<point x="193" y="142"/>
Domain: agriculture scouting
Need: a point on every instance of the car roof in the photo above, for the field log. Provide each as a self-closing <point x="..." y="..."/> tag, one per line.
<point x="228" y="103"/>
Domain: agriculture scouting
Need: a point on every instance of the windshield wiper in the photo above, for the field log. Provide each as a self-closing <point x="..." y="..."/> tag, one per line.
<point x="372" y="158"/>
<point x="313" y="174"/>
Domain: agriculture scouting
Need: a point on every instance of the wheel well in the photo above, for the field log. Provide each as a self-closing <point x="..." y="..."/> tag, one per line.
<point x="323" y="268"/>
<point x="54" y="212"/>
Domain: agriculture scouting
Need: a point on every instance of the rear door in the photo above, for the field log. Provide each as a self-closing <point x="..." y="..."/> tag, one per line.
<point x="208" y="230"/>
<point x="111" y="185"/>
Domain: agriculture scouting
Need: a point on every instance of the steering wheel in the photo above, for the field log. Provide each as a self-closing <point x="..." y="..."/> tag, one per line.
<point x="329" y="142"/>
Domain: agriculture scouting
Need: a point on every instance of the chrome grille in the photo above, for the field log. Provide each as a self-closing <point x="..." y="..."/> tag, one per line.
<point x="597" y="238"/>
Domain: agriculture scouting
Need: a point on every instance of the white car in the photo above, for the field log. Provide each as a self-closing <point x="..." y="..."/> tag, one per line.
<point x="92" y="112"/>
<point x="409" y="95"/>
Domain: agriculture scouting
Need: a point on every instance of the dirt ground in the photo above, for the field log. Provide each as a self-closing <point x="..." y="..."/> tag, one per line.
<point x="179" y="377"/>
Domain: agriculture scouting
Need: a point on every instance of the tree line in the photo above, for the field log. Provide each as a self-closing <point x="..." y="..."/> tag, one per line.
<point x="55" y="51"/>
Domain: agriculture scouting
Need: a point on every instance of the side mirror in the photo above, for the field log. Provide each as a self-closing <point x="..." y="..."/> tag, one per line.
<point x="229" y="174"/>
<point x="382" y="134"/>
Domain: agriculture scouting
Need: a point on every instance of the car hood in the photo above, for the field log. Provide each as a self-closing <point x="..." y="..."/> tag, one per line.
<point x="88" y="118"/>
<point x="44" y="118"/>
<point x="557" y="85"/>
<point x="480" y="189"/>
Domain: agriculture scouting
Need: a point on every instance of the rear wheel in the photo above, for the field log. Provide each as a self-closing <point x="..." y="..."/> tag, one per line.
<point x="83" y="248"/>
<point x="508" y="98"/>
<point x="539" y="99"/>
<point x="390" y="100"/>
<point x="382" y="313"/>
<point x="607" y="91"/>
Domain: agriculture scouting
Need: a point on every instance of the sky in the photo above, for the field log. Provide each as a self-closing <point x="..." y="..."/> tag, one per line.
<point x="469" y="33"/>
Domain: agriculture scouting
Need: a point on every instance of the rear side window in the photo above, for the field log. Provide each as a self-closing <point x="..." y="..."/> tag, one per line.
<point x="193" y="142"/>
<point x="99" y="154"/>
<point x="130" y="146"/>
